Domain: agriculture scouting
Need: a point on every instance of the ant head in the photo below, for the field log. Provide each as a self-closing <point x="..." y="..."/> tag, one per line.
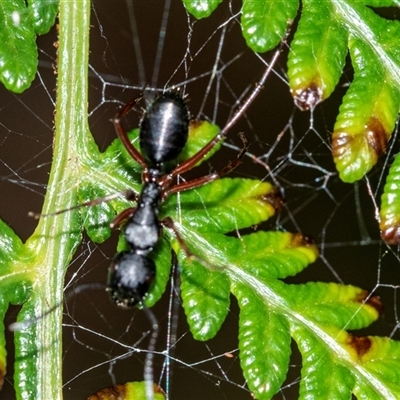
<point x="164" y="129"/>
<point x="129" y="278"/>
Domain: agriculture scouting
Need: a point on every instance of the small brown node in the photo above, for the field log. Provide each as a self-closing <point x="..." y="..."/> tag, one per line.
<point x="274" y="198"/>
<point x="391" y="235"/>
<point x="308" y="98"/>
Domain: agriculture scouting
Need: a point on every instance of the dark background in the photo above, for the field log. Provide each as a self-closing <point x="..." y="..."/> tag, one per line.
<point x="293" y="145"/>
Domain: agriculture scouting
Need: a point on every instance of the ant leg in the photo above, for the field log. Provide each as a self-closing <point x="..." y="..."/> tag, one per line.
<point x="169" y="223"/>
<point x="121" y="217"/>
<point x="192" y="161"/>
<point x="128" y="194"/>
<point x="193" y="183"/>
<point x="121" y="133"/>
<point x="131" y="195"/>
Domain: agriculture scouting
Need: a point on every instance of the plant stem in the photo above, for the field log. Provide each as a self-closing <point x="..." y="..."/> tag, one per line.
<point x="39" y="366"/>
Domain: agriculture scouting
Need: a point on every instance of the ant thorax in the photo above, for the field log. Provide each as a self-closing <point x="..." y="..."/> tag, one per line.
<point x="142" y="231"/>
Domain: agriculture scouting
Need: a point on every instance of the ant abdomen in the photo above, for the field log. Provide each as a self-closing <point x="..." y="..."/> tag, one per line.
<point x="164" y="129"/>
<point x="129" y="278"/>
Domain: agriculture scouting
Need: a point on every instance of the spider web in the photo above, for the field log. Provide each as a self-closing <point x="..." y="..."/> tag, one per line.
<point x="210" y="62"/>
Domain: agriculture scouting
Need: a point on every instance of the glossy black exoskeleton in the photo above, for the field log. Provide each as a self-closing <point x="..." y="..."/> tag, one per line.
<point x="164" y="130"/>
<point x="163" y="134"/>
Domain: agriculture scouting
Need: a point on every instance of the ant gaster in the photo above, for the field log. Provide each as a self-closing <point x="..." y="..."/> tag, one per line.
<point x="163" y="133"/>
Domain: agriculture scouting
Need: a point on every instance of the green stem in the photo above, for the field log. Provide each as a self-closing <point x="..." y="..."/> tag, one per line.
<point x="38" y="369"/>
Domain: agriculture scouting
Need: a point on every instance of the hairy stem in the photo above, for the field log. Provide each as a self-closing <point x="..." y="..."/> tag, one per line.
<point x="39" y="368"/>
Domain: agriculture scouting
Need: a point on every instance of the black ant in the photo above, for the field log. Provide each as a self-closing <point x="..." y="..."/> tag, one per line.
<point x="163" y="133"/>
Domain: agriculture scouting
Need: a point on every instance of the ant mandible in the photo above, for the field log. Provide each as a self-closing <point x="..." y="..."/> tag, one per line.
<point x="163" y="133"/>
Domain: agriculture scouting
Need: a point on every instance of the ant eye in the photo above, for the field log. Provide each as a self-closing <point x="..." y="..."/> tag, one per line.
<point x="129" y="278"/>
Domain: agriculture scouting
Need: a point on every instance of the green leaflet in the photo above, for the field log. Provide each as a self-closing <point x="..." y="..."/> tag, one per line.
<point x="342" y="306"/>
<point x="15" y="274"/>
<point x="200" y="133"/>
<point x="10" y="247"/>
<point x="18" y="54"/>
<point x="116" y="158"/>
<point x="381" y="360"/>
<point x="162" y="257"/>
<point x="15" y="289"/>
<point x="367" y="115"/>
<point x="96" y="218"/>
<point x="324" y="377"/>
<point x="205" y="297"/>
<point x="313" y="68"/>
<point x="390" y="205"/>
<point x="205" y="288"/>
<point x="19" y="26"/>
<point x="201" y="8"/>
<point x="225" y="205"/>
<point x="264" y="23"/>
<point x="15" y="280"/>
<point x="261" y="255"/>
<point x="44" y="14"/>
<point x="265" y="333"/>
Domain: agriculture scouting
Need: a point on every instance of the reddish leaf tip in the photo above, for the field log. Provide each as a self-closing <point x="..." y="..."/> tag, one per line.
<point x="307" y="98"/>
<point x="360" y="344"/>
<point x="195" y="123"/>
<point x="300" y="240"/>
<point x="364" y="297"/>
<point x="117" y="392"/>
<point x="391" y="235"/>
<point x="374" y="134"/>
<point x="377" y="136"/>
<point x="274" y="198"/>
